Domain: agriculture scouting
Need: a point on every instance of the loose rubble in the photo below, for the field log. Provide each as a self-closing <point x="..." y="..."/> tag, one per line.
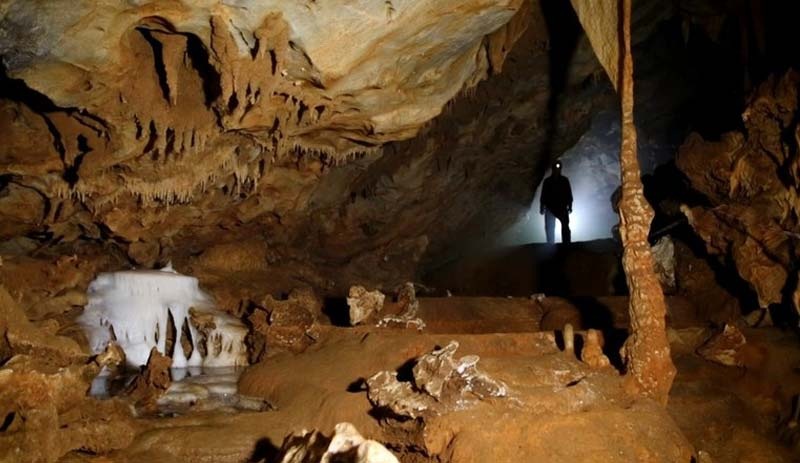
<point x="439" y="384"/>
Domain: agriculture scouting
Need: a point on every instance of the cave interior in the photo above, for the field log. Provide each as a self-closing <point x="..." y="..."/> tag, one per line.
<point x="315" y="231"/>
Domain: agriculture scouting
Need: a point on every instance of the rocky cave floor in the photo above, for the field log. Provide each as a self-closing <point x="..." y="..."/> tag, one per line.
<point x="554" y="404"/>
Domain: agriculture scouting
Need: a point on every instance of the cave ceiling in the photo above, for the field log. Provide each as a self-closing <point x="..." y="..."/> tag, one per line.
<point x="356" y="135"/>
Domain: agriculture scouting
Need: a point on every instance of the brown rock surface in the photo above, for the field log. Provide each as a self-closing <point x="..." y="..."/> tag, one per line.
<point x="47" y="414"/>
<point x="283" y="324"/>
<point x="725" y="348"/>
<point x="185" y="128"/>
<point x="751" y="180"/>
<point x="152" y="381"/>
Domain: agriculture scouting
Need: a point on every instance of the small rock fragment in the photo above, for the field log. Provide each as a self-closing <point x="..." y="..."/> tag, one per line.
<point x="724" y="347"/>
<point x="283" y="324"/>
<point x="363" y="303"/>
<point x="432" y="370"/>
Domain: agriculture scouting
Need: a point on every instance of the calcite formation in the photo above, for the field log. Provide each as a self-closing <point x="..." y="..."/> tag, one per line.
<point x="409" y="305"/>
<point x="146" y="309"/>
<point x="440" y="384"/>
<point x="152" y="381"/>
<point x="751" y="182"/>
<point x="346" y="445"/>
<point x="646" y="351"/>
<point x="362" y="304"/>
<point x="283" y="324"/>
<point x="592" y="352"/>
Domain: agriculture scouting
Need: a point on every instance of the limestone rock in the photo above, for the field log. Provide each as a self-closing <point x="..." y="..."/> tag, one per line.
<point x="346" y="445"/>
<point x="283" y="324"/>
<point x="47" y="413"/>
<point x="724" y="348"/>
<point x="22" y="337"/>
<point x="440" y="383"/>
<point x="152" y="381"/>
<point x="592" y="353"/>
<point x="409" y="305"/>
<point x="363" y="303"/>
<point x="664" y="257"/>
<point x="751" y="182"/>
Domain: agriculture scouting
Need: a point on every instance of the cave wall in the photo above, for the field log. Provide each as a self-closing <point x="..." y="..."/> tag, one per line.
<point x="323" y="144"/>
<point x="749" y="216"/>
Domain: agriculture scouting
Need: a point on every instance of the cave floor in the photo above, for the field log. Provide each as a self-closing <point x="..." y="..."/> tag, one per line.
<point x="557" y="409"/>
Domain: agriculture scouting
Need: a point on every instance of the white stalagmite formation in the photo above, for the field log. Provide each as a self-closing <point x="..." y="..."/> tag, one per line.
<point x="137" y="308"/>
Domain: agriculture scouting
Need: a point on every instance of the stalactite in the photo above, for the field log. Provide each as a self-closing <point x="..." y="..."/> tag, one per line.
<point x="650" y="371"/>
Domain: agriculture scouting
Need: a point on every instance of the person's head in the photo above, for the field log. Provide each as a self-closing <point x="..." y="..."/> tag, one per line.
<point x="557" y="168"/>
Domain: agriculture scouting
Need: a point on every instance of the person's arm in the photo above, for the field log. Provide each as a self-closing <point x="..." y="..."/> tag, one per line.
<point x="569" y="197"/>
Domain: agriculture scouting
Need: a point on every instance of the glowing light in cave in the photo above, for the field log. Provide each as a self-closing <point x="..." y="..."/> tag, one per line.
<point x="592" y="216"/>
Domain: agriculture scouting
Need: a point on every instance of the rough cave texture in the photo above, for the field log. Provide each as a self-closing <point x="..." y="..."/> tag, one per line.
<point x="166" y="127"/>
<point x="750" y="181"/>
<point x="283" y="152"/>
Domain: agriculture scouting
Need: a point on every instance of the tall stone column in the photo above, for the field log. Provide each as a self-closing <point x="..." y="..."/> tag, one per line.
<point x="650" y="370"/>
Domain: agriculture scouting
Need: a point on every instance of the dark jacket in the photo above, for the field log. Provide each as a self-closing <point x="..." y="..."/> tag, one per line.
<point x="556" y="195"/>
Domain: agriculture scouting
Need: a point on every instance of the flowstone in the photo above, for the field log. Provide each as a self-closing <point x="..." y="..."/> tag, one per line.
<point x="143" y="309"/>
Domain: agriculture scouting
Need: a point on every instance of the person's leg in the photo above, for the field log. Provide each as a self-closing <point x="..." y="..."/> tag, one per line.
<point x="550" y="226"/>
<point x="566" y="234"/>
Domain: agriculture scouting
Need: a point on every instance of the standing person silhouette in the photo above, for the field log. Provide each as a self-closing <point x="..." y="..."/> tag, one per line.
<point x="556" y="203"/>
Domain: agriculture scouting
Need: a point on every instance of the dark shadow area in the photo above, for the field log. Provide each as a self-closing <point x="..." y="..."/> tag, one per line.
<point x="784" y="314"/>
<point x="554" y="281"/>
<point x="564" y="32"/>
<point x="358" y="386"/>
<point x="265" y="452"/>
<point x="7" y="421"/>
<point x="405" y="372"/>
<point x="588" y="268"/>
<point x="337" y="311"/>
<point x="598" y="316"/>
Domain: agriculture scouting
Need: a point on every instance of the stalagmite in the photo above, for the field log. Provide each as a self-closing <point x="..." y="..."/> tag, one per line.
<point x="646" y="352"/>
